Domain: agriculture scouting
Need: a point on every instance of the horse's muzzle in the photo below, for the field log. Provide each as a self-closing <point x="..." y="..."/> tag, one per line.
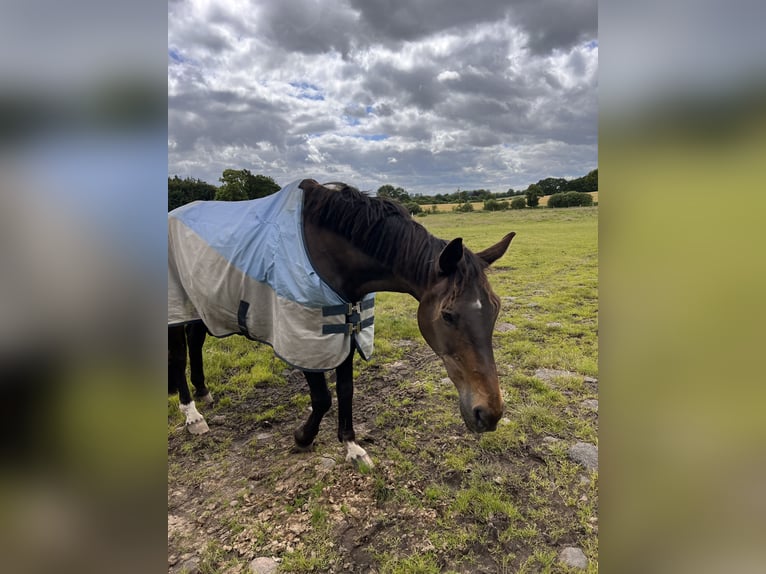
<point x="481" y="418"/>
<point x="484" y="420"/>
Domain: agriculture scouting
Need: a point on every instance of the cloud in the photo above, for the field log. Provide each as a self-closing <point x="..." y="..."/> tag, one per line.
<point x="556" y="24"/>
<point x="426" y="94"/>
<point x="447" y="75"/>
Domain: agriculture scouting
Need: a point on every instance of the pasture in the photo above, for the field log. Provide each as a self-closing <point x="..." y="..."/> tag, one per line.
<point x="439" y="499"/>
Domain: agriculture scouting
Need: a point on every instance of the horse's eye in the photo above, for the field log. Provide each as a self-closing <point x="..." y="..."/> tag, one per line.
<point x="448" y="317"/>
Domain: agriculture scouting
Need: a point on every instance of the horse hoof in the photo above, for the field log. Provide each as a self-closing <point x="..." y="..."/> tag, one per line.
<point x="362" y="463"/>
<point x="198" y="427"/>
<point x="357" y="456"/>
<point x="207" y="399"/>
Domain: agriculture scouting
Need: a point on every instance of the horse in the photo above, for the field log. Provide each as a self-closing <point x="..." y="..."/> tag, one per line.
<point x="359" y="245"/>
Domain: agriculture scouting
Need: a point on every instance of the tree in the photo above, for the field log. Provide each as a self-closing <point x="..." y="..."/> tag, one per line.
<point x="591" y="181"/>
<point x="234" y="185"/>
<point x="551" y="185"/>
<point x="183" y="191"/>
<point x="533" y="194"/>
<point x="495" y="205"/>
<point x="395" y="193"/>
<point x="239" y="184"/>
<point x="570" y="199"/>
<point x="261" y="186"/>
<point x="518" y="203"/>
<point x="413" y="208"/>
<point x="463" y="207"/>
<point x="585" y="183"/>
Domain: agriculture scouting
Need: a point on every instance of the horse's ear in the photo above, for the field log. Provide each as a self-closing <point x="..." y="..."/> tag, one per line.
<point x="451" y="256"/>
<point x="492" y="254"/>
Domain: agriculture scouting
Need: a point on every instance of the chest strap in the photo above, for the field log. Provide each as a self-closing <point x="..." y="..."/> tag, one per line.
<point x="352" y="311"/>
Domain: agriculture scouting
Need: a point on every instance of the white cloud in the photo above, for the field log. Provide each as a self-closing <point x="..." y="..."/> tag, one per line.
<point x="447" y="75"/>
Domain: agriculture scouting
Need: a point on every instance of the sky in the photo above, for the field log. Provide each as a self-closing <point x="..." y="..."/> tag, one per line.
<point x="428" y="95"/>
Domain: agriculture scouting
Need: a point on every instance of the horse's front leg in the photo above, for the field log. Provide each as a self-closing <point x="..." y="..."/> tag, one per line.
<point x="321" y="400"/>
<point x="344" y="387"/>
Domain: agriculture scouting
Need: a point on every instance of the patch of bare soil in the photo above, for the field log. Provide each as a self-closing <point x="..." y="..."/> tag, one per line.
<point x="242" y="490"/>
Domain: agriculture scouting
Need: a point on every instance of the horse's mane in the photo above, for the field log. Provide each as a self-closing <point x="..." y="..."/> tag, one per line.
<point x="384" y="230"/>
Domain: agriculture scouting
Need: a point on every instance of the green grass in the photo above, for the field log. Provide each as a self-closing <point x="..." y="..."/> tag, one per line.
<point x="448" y="501"/>
<point x="482" y="501"/>
<point x="413" y="564"/>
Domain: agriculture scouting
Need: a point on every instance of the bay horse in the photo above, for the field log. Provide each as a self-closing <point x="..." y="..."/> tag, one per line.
<point x="360" y="245"/>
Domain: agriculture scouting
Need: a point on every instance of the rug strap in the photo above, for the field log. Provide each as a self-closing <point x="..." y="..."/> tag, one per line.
<point x="348" y="308"/>
<point x="242" y="318"/>
<point x="348" y="328"/>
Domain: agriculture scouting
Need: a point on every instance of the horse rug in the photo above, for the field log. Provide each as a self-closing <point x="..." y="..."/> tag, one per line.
<point x="242" y="268"/>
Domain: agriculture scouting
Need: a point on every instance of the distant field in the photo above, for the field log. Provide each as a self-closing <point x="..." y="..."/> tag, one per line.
<point x="479" y="205"/>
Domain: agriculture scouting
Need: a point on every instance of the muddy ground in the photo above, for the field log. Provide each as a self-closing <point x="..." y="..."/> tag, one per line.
<point x="241" y="491"/>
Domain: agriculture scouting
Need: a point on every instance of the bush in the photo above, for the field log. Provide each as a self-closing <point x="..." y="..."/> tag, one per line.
<point x="463" y="207"/>
<point x="495" y="205"/>
<point x="518" y="203"/>
<point x="570" y="199"/>
<point x="413" y="207"/>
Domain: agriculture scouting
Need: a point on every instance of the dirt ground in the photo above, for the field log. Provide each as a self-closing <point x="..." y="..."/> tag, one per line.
<point x="242" y="491"/>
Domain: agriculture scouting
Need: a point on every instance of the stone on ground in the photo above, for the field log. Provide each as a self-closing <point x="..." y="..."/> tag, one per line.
<point x="573" y="557"/>
<point x="263" y="565"/>
<point x="585" y="454"/>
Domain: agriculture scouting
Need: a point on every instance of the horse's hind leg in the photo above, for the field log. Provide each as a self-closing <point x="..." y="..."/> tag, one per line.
<point x="345" y="390"/>
<point x="177" y="363"/>
<point x="195" y="337"/>
<point x="321" y="400"/>
<point x="177" y="379"/>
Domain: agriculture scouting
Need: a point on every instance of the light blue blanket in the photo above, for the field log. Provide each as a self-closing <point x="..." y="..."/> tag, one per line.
<point x="242" y="267"/>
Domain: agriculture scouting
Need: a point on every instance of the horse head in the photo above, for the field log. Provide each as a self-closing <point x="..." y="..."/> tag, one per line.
<point x="456" y="316"/>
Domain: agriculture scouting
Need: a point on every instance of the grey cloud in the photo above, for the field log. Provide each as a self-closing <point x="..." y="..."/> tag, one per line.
<point x="417" y="86"/>
<point x="218" y="14"/>
<point x="308" y="26"/>
<point x="383" y="109"/>
<point x="356" y="110"/>
<point x="552" y="24"/>
<point x="213" y="119"/>
<point x="482" y="138"/>
<point x="310" y="124"/>
<point x="211" y="38"/>
<point x="549" y="24"/>
<point x="397" y="20"/>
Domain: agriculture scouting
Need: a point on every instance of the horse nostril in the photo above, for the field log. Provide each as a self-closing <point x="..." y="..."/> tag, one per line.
<point x="481" y="416"/>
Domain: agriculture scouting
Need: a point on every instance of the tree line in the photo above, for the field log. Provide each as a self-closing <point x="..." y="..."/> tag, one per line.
<point x="236" y="185"/>
<point x="241" y="184"/>
<point x="547" y="186"/>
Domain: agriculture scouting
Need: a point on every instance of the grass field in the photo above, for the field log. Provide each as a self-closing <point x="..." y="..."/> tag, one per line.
<point x="439" y="499"/>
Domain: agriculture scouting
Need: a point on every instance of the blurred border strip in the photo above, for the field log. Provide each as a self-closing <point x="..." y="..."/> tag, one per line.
<point x="83" y="166"/>
<point x="682" y="147"/>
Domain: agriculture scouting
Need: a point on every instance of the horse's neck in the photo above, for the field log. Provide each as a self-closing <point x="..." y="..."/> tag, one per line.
<point x="353" y="273"/>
